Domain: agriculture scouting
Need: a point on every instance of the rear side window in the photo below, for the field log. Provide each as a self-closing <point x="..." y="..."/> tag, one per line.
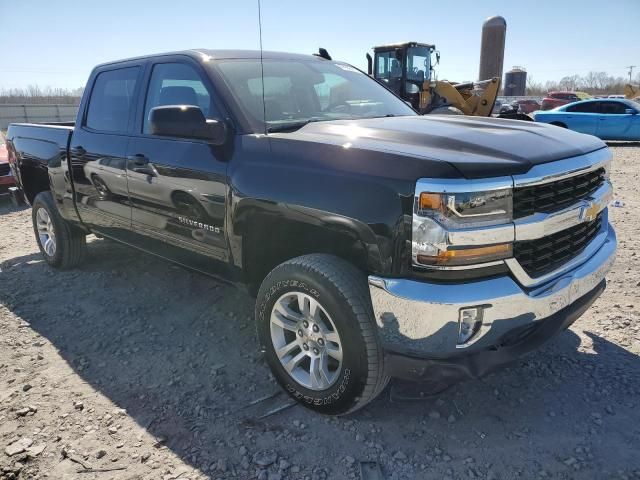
<point x="612" y="108"/>
<point x="112" y="100"/>
<point x="176" y="84"/>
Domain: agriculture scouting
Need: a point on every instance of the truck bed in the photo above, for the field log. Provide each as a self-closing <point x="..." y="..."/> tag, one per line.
<point x="39" y="148"/>
<point x="37" y="143"/>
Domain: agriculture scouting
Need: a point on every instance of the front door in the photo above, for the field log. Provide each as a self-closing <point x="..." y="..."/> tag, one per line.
<point x="177" y="186"/>
<point x="614" y="123"/>
<point x="98" y="151"/>
<point x="581" y="117"/>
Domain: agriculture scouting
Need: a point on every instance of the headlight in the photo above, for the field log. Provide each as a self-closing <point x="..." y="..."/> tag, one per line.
<point x="467" y="209"/>
<point x="438" y="215"/>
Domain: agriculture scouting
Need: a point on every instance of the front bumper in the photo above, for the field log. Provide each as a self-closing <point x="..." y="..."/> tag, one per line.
<point x="420" y="319"/>
<point x="7" y="180"/>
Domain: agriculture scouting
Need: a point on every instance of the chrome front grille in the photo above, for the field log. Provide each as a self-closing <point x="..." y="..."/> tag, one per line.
<point x="543" y="255"/>
<point x="554" y="196"/>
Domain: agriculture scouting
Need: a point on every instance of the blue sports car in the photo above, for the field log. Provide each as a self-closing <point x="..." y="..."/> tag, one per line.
<point x="607" y="118"/>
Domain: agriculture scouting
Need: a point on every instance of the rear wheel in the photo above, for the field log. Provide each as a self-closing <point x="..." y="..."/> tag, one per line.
<point x="62" y="245"/>
<point x="316" y="326"/>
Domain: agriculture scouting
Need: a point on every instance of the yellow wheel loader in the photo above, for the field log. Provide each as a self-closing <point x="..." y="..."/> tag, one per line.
<point x="632" y="92"/>
<point x="407" y="70"/>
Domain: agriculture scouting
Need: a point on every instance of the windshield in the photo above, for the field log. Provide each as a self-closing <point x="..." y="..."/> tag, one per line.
<point x="300" y="91"/>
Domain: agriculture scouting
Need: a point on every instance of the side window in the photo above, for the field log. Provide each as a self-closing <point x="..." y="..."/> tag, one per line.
<point x="112" y="100"/>
<point x="388" y="66"/>
<point x="612" y="108"/>
<point x="176" y="84"/>
<point x="589" y="107"/>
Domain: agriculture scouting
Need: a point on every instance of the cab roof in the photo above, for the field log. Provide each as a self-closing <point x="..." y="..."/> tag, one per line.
<point x="403" y="45"/>
<point x="206" y="55"/>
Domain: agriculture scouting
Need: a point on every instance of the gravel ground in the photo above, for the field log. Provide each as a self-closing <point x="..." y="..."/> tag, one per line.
<point x="131" y="368"/>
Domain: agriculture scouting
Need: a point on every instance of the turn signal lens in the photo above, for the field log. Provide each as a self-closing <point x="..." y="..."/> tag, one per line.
<point x="430" y="201"/>
<point x="468" y="255"/>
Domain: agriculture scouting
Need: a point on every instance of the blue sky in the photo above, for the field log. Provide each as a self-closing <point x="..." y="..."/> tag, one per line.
<point x="57" y="42"/>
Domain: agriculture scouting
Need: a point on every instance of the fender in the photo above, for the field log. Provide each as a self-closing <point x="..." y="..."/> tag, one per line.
<point x="357" y="200"/>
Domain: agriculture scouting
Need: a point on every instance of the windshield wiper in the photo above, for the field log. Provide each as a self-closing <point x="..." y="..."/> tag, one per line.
<point x="292" y="126"/>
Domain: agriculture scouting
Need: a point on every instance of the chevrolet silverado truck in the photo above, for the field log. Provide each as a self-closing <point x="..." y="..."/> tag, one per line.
<point x="378" y="243"/>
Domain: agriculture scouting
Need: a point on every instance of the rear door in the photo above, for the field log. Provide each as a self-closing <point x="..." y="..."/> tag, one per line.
<point x="177" y="186"/>
<point x="614" y="123"/>
<point x="581" y="117"/>
<point x="98" y="148"/>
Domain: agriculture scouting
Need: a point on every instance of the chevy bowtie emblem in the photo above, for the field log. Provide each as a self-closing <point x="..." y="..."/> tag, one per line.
<point x="591" y="212"/>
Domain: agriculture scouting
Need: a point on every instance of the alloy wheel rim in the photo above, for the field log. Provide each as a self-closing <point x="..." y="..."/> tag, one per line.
<point x="306" y="341"/>
<point x="46" y="233"/>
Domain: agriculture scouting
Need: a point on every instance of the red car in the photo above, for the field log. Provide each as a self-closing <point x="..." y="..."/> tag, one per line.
<point x="557" y="99"/>
<point x="6" y="177"/>
<point x="528" y="106"/>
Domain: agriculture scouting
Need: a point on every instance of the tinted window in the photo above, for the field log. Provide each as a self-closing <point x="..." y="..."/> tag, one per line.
<point x="588" y="107"/>
<point x="112" y="100"/>
<point x="176" y="84"/>
<point x="612" y="108"/>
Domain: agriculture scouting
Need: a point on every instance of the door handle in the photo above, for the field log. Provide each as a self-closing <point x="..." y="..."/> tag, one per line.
<point x="138" y="159"/>
<point x="141" y="164"/>
<point x="78" y="151"/>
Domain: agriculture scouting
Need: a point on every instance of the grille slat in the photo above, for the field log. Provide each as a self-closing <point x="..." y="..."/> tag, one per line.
<point x="554" y="196"/>
<point x="544" y="255"/>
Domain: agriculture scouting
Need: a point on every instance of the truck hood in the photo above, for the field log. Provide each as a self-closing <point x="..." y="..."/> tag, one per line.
<point x="477" y="147"/>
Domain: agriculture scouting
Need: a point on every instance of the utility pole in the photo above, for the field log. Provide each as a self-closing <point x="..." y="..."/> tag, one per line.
<point x="631" y="67"/>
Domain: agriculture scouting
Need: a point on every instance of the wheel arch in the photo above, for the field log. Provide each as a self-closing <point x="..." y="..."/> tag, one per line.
<point x="35" y="179"/>
<point x="266" y="237"/>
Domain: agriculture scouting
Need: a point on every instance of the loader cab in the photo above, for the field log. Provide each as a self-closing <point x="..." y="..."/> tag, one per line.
<point x="403" y="68"/>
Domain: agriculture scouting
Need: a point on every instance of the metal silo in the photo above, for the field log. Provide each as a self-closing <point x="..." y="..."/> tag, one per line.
<point x="515" y="82"/>
<point x="494" y="31"/>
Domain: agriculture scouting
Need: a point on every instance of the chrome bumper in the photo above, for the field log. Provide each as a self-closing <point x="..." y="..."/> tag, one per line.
<point x="421" y="319"/>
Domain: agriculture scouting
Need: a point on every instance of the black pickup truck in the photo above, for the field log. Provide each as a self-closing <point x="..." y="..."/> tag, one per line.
<point x="379" y="243"/>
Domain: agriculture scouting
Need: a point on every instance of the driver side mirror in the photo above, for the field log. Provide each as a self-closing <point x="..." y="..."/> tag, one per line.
<point x="630" y="111"/>
<point x="187" y="121"/>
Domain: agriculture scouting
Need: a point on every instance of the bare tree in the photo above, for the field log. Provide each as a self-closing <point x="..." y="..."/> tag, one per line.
<point x="534" y="88"/>
<point x="35" y="94"/>
<point x="570" y="83"/>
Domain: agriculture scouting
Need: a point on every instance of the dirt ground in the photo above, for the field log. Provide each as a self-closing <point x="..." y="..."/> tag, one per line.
<point x="132" y="368"/>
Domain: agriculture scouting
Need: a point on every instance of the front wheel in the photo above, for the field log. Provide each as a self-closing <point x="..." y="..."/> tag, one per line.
<point x="62" y="245"/>
<point x="316" y="326"/>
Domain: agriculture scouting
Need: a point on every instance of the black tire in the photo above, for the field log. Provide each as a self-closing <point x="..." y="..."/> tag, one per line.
<point x="70" y="241"/>
<point x="342" y="291"/>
